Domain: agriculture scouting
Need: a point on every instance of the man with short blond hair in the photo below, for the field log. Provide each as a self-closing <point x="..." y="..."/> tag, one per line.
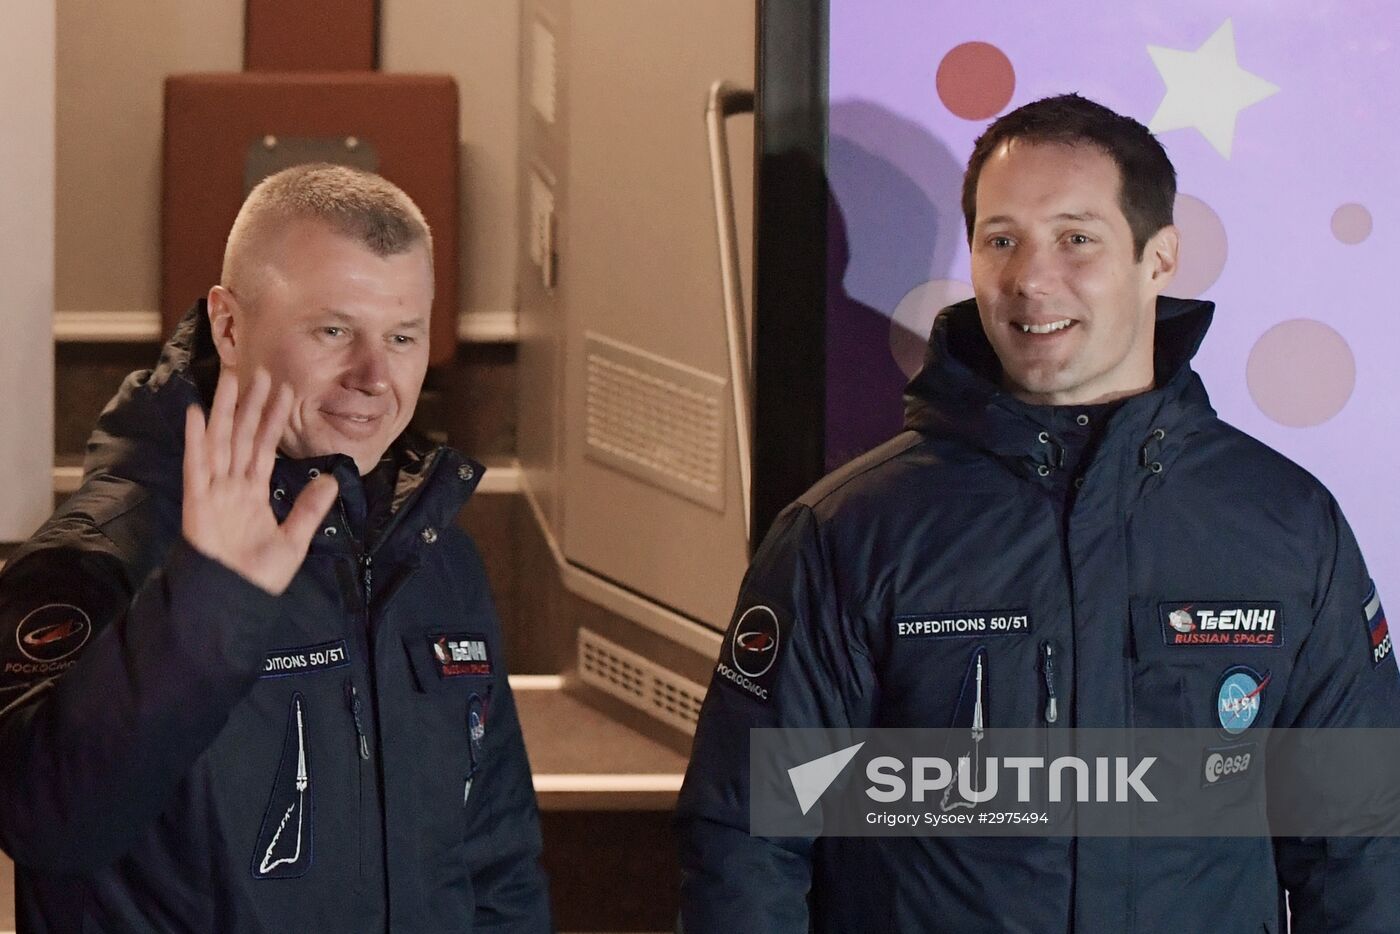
<point x="252" y="677"/>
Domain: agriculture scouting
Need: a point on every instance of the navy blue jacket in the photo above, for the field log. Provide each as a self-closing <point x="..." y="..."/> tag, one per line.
<point x="181" y="751"/>
<point x="1102" y="535"/>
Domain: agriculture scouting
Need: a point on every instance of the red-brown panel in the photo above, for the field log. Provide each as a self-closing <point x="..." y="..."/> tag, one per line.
<point x="211" y="119"/>
<point x="311" y="35"/>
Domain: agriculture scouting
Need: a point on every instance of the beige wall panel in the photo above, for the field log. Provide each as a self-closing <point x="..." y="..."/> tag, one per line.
<point x="26" y="266"/>
<point x="542" y="176"/>
<point x="639" y="267"/>
<point x="112" y="59"/>
<point x="478" y="43"/>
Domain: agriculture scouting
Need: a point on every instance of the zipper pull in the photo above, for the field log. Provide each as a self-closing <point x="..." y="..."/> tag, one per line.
<point x="1047" y="654"/>
<point x="977" y="723"/>
<point x="352" y="700"/>
<point x="365" y="564"/>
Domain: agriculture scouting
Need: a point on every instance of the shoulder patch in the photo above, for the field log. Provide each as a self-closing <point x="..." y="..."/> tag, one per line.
<point x="1376" y="627"/>
<point x="749" y="657"/>
<point x="47" y="639"/>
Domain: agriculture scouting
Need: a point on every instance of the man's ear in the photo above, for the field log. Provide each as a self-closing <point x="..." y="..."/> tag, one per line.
<point x="1162" y="252"/>
<point x="225" y="321"/>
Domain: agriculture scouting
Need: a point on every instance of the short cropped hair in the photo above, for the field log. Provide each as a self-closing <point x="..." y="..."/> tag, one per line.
<point x="356" y="204"/>
<point x="1147" y="187"/>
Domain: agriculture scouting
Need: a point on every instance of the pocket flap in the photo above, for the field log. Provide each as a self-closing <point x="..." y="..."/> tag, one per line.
<point x="440" y="658"/>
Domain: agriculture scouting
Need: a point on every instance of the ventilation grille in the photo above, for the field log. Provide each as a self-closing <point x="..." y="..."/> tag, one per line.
<point x="660" y="421"/>
<point x="638" y="681"/>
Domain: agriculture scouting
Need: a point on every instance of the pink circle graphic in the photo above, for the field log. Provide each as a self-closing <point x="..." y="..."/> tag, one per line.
<point x="975" y="80"/>
<point x="1351" y="223"/>
<point x="1301" y="373"/>
<point x="913" y="319"/>
<point x="1204" y="247"/>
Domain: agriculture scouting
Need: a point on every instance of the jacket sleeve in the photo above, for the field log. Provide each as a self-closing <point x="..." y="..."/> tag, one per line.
<point x="503" y="827"/>
<point x="1345" y="676"/>
<point x="109" y="698"/>
<point x="818" y="675"/>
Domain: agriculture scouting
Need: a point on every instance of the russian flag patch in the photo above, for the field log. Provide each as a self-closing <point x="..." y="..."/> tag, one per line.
<point x="1376" y="625"/>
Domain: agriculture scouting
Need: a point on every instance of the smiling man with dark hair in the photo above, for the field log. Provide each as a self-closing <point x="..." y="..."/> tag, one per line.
<point x="1062" y="469"/>
<point x="252" y="674"/>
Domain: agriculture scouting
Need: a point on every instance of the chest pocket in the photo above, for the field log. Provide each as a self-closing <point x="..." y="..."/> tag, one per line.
<point x="454" y="673"/>
<point x="932" y="681"/>
<point x="1217" y="664"/>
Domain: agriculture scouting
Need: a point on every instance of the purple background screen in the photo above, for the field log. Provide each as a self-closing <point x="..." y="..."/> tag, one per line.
<point x="1285" y="150"/>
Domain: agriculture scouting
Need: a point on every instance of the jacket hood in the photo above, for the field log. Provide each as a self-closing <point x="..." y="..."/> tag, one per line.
<point x="140" y="434"/>
<point x="958" y="392"/>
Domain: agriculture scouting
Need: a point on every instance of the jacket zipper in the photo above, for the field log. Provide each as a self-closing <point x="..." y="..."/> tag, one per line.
<point x="1047" y="668"/>
<point x="977" y="723"/>
<point x="367" y="576"/>
<point x="355" y="705"/>
<point x="352" y="701"/>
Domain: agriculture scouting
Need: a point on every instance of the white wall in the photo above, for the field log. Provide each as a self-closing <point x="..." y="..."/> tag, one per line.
<point x="26" y="266"/>
<point x="478" y="43"/>
<point x="112" y="63"/>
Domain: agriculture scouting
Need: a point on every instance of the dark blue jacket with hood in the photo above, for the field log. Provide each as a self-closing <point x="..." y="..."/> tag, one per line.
<point x="1099" y="522"/>
<point x="181" y="751"/>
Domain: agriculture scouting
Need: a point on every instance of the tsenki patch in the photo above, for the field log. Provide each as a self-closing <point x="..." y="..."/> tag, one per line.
<point x="461" y="654"/>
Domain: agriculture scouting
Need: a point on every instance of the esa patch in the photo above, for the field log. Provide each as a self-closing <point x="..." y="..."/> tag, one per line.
<point x="1224" y="764"/>
<point x="750" y="654"/>
<point x="1377" y="628"/>
<point x="974" y="624"/>
<point x="304" y="659"/>
<point x="48" y="638"/>
<point x="460" y="655"/>
<point x="1235" y="624"/>
<point x="1239" y="697"/>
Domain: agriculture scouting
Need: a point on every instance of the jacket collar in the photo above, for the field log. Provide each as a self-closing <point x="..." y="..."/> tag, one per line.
<point x="958" y="393"/>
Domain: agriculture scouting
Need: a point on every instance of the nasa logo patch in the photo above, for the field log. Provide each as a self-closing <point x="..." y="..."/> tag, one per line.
<point x="1377" y="628"/>
<point x="476" y="727"/>
<point x="1238" y="698"/>
<point x="751" y="651"/>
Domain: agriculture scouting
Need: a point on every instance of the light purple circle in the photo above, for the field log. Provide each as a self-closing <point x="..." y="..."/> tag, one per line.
<point x="1351" y="223"/>
<point x="1204" y="247"/>
<point x="1301" y="373"/>
<point x="913" y="319"/>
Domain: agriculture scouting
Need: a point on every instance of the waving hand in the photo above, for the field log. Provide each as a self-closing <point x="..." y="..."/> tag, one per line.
<point x="228" y="467"/>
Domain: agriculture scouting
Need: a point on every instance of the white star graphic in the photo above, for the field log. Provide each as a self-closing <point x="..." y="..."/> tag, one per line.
<point x="1206" y="89"/>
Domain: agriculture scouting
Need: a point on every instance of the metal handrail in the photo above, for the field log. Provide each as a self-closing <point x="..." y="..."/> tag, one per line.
<point x="726" y="100"/>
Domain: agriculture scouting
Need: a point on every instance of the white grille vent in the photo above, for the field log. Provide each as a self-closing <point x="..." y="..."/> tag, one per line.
<point x="638" y="681"/>
<point x="660" y="421"/>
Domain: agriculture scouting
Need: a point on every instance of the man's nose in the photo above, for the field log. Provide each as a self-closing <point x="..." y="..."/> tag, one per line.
<point x="1031" y="270"/>
<point x="369" y="370"/>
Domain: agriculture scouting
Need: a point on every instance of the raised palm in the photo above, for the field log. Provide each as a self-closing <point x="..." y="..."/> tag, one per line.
<point x="227" y="470"/>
